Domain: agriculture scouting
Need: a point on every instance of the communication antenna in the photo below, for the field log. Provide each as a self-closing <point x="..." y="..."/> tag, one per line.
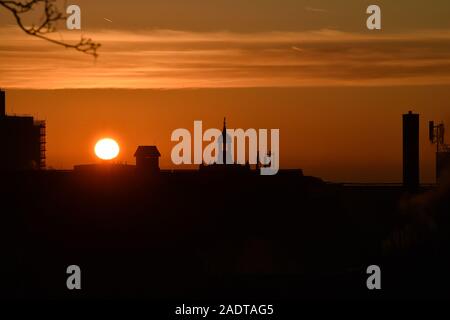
<point x="431" y="135"/>
<point x="436" y="135"/>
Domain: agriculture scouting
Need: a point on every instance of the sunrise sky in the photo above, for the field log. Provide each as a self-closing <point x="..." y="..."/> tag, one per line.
<point x="310" y="68"/>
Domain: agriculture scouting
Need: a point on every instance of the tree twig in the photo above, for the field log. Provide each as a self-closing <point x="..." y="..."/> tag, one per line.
<point x="51" y="16"/>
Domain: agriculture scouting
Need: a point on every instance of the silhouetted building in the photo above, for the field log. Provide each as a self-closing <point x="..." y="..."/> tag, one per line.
<point x="2" y="103"/>
<point x="225" y="146"/>
<point x="442" y="164"/>
<point x="411" y="150"/>
<point x="22" y="141"/>
<point x="224" y="159"/>
<point x="437" y="136"/>
<point x="104" y="169"/>
<point x="147" y="159"/>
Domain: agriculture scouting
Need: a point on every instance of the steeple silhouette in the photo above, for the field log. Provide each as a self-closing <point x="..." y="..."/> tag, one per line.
<point x="224" y="144"/>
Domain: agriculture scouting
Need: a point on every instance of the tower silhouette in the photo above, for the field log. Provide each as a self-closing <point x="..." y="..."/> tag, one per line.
<point x="2" y="103"/>
<point x="411" y="151"/>
<point x="225" y="146"/>
<point x="22" y="141"/>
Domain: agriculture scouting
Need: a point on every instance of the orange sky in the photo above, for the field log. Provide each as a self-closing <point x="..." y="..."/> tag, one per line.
<point x="340" y="134"/>
<point x="180" y="59"/>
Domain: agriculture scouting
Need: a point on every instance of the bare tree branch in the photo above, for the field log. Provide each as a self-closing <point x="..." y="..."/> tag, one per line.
<point x="51" y="16"/>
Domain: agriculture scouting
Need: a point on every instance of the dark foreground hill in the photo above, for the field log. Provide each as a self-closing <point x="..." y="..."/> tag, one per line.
<point x="187" y="235"/>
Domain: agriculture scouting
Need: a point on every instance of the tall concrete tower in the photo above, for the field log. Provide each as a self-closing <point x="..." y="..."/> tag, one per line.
<point x="411" y="151"/>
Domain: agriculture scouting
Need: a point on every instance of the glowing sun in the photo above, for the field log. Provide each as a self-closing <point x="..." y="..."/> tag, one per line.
<point x="107" y="149"/>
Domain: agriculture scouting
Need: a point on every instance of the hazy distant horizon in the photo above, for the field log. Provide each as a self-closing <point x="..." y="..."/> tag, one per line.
<point x="338" y="134"/>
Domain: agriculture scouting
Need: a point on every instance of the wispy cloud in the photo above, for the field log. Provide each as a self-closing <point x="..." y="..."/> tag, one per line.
<point x="176" y="59"/>
<point x="311" y="9"/>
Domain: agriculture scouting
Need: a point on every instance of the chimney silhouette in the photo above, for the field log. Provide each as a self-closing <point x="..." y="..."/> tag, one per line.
<point x="2" y="103"/>
<point x="411" y="151"/>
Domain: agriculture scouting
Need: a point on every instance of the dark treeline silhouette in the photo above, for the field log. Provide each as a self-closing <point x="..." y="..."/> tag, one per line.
<point x="195" y="235"/>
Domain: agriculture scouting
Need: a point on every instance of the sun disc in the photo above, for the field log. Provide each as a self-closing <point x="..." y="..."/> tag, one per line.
<point x="107" y="149"/>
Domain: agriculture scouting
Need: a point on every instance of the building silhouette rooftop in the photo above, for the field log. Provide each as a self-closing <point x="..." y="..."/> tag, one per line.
<point x="147" y="151"/>
<point x="22" y="141"/>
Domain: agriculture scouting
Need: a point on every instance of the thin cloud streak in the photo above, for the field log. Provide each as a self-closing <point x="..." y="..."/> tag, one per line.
<point x="317" y="10"/>
<point x="179" y="59"/>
